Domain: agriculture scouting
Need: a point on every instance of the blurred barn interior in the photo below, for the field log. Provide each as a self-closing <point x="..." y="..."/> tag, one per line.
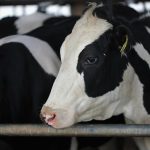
<point x="59" y="7"/>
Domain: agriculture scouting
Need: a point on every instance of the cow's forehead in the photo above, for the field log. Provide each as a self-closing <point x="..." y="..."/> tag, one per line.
<point x="86" y="30"/>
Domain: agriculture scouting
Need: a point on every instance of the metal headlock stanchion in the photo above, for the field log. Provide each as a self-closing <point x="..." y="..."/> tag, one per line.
<point x="119" y="130"/>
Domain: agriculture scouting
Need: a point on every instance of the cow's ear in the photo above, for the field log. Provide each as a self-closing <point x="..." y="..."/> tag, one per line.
<point x="122" y="38"/>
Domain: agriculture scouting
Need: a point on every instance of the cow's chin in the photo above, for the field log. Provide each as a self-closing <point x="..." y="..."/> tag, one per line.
<point x="60" y="125"/>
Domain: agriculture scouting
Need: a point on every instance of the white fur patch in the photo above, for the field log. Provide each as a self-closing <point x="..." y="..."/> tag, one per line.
<point x="40" y="50"/>
<point x="143" y="54"/>
<point x="145" y="15"/>
<point x="86" y="30"/>
<point x="134" y="98"/>
<point x="27" y="23"/>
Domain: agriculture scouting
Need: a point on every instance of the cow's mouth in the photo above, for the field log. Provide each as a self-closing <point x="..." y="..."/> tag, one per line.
<point x="48" y="119"/>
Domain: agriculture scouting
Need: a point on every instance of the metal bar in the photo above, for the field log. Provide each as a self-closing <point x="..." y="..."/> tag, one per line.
<point x="118" y="130"/>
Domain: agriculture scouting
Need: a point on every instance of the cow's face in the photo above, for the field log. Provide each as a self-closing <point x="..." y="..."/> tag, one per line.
<point x="87" y="85"/>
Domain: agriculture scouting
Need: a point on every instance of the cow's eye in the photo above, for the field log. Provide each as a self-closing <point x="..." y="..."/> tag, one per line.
<point x="91" y="60"/>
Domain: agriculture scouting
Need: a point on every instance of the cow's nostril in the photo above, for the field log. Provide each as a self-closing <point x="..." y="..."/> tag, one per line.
<point x="50" y="118"/>
<point x="48" y="115"/>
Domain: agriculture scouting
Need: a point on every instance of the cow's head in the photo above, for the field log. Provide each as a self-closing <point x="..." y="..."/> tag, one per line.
<point x="93" y="65"/>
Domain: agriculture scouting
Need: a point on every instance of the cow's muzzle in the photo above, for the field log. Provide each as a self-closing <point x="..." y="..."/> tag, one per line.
<point x="57" y="118"/>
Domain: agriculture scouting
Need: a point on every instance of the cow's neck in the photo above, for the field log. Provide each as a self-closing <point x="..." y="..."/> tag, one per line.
<point x="131" y="95"/>
<point x="134" y="89"/>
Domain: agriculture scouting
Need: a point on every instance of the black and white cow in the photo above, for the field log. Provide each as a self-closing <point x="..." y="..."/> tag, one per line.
<point x="25" y="24"/>
<point x="28" y="66"/>
<point x="20" y="25"/>
<point x="104" y="72"/>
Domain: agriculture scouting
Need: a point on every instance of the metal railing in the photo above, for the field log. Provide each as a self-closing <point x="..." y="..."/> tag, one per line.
<point x="117" y="130"/>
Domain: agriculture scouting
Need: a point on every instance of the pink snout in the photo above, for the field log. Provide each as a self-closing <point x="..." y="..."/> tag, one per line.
<point x="48" y="115"/>
<point x="57" y="118"/>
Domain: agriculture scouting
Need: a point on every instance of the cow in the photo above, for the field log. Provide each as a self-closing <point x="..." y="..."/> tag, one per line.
<point x="21" y="25"/>
<point x="25" y="24"/>
<point x="27" y="73"/>
<point x="28" y="68"/>
<point x="18" y="50"/>
<point x="34" y="57"/>
<point x="104" y="72"/>
<point x="29" y="64"/>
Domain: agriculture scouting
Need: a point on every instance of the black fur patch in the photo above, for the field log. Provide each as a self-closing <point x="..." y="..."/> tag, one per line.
<point x="24" y="85"/>
<point x="140" y="66"/>
<point x="106" y="74"/>
<point x="141" y="35"/>
<point x="119" y="11"/>
<point x="142" y="70"/>
<point x="7" y="26"/>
